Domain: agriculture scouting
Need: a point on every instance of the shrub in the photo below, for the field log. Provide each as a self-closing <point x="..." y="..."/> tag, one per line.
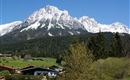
<point x="4" y="72"/>
<point x="23" y="77"/>
<point x="111" y="68"/>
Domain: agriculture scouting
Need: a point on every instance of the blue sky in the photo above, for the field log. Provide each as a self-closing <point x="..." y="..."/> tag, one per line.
<point x="103" y="11"/>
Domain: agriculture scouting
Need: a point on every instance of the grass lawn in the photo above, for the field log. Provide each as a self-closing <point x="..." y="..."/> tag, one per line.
<point x="20" y="63"/>
<point x="127" y="78"/>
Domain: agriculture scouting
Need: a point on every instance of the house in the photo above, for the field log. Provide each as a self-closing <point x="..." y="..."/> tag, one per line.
<point x="39" y="71"/>
<point x="5" y="55"/>
<point x="10" y="69"/>
<point x="27" y="56"/>
<point x="0" y="54"/>
<point x="56" y="68"/>
<point x="2" y="78"/>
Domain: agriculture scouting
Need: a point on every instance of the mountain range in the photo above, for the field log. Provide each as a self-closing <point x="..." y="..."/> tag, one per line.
<point x="50" y="31"/>
<point x="51" y="21"/>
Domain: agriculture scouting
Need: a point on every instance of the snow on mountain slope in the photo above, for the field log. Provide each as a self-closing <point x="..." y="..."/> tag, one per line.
<point x="119" y="27"/>
<point x="114" y="27"/>
<point x="92" y="26"/>
<point x="52" y="16"/>
<point x="53" y="21"/>
<point x="6" y="28"/>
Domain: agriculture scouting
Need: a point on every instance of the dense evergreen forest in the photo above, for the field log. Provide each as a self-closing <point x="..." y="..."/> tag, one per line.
<point x="101" y="44"/>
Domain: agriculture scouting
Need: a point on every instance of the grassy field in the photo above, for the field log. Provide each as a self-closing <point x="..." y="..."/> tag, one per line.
<point x="20" y="63"/>
<point x="128" y="78"/>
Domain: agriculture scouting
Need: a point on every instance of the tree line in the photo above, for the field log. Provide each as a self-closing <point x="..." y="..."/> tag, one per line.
<point x="102" y="45"/>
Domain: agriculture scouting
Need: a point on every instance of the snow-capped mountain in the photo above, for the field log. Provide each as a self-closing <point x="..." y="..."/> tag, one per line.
<point x="114" y="27"/>
<point x="51" y="21"/>
<point x="90" y="24"/>
<point x="94" y="27"/>
<point x="53" y="17"/>
<point x="6" y="28"/>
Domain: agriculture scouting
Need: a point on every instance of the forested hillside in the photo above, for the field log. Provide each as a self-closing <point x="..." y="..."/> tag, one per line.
<point x="53" y="46"/>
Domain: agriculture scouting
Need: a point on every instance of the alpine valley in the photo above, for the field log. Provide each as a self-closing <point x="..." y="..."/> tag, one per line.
<point x="51" y="29"/>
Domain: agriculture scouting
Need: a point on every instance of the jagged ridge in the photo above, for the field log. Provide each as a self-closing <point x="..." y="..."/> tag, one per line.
<point x="51" y="18"/>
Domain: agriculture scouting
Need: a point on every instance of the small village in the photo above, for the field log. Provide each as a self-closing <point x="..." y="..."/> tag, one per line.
<point x="30" y="69"/>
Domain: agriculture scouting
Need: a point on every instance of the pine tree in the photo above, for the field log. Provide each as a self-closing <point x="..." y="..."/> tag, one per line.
<point x="116" y="46"/>
<point x="97" y="45"/>
<point x="101" y="45"/>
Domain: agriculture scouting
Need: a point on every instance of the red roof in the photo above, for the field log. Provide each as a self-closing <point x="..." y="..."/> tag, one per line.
<point x="6" y="68"/>
<point x="2" y="77"/>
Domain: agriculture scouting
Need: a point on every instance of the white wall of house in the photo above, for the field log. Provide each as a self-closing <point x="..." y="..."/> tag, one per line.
<point x="50" y="74"/>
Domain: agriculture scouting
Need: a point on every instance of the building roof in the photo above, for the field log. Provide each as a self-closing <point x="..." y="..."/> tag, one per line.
<point x="27" y="67"/>
<point x="2" y="77"/>
<point x="38" y="68"/>
<point x="6" y="68"/>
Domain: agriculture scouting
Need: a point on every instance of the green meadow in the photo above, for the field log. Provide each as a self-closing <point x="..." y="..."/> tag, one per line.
<point x="20" y="63"/>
